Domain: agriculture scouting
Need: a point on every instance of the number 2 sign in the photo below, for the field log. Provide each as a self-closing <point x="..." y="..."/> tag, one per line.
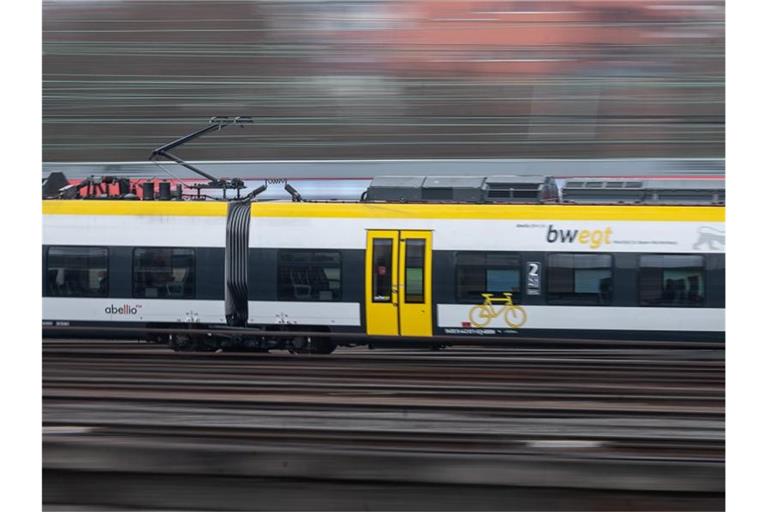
<point x="533" y="283"/>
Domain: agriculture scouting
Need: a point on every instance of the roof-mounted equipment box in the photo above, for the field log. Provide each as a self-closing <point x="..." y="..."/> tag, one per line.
<point x="691" y="192"/>
<point x="401" y="189"/>
<point x="457" y="189"/>
<point x="603" y="191"/>
<point x="659" y="191"/>
<point x="519" y="189"/>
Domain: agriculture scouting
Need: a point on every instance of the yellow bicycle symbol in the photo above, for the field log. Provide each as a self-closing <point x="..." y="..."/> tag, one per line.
<point x="481" y="315"/>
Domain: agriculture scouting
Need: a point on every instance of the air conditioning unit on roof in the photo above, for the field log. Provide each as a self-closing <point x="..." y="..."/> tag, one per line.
<point x="659" y="191"/>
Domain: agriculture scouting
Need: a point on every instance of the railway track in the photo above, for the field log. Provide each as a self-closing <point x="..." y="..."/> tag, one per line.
<point x="608" y="420"/>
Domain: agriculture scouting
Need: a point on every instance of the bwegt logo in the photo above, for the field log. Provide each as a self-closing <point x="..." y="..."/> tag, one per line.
<point x="592" y="237"/>
<point x="125" y="309"/>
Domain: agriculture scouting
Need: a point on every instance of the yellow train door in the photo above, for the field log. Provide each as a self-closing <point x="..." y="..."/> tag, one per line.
<point x="415" y="273"/>
<point x="381" y="298"/>
<point x="398" y="277"/>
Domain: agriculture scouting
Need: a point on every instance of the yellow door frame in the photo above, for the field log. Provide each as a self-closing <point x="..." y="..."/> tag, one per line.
<point x="398" y="283"/>
<point x="381" y="297"/>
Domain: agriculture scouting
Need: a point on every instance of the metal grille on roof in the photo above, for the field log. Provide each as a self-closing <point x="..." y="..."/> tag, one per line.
<point x="493" y="189"/>
<point x="666" y="191"/>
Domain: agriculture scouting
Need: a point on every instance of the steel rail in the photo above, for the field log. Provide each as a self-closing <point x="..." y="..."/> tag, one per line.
<point x="393" y="340"/>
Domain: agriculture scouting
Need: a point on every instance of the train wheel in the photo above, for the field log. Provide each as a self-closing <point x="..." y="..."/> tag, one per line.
<point x="181" y="343"/>
<point x="296" y="345"/>
<point x="319" y="345"/>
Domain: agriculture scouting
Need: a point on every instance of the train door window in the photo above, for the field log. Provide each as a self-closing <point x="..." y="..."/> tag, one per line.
<point x="382" y="270"/>
<point x="77" y="272"/>
<point x="163" y="273"/>
<point x="414" y="270"/>
<point x="308" y="275"/>
<point x="671" y="280"/>
<point x="486" y="272"/>
<point x="580" y="279"/>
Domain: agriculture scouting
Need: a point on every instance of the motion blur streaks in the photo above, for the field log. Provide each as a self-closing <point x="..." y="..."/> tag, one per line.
<point x="385" y="79"/>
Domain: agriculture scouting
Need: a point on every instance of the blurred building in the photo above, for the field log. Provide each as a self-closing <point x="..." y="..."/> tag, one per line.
<point x="546" y="36"/>
<point x="386" y="79"/>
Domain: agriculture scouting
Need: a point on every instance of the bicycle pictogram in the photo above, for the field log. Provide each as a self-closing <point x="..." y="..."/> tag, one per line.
<point x="482" y="314"/>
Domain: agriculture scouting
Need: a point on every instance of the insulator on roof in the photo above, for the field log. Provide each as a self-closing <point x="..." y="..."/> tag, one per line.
<point x="164" y="191"/>
<point x="148" y="191"/>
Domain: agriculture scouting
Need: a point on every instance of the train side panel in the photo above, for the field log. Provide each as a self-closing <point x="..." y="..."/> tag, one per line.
<point x="312" y="265"/>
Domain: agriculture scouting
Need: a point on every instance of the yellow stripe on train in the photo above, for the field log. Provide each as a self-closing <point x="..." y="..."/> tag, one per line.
<point x="392" y="211"/>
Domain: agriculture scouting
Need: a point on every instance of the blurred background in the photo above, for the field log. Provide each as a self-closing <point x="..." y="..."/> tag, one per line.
<point x="385" y="79"/>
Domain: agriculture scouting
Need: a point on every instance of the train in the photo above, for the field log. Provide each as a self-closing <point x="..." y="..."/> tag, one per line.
<point x="419" y="260"/>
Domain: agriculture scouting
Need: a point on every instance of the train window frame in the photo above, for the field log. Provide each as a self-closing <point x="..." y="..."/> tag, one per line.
<point x="193" y="294"/>
<point x="381" y="299"/>
<point x="338" y="252"/>
<point x="470" y="300"/>
<point x="421" y="244"/>
<point x="571" y="302"/>
<point x="107" y="290"/>
<point x="703" y="286"/>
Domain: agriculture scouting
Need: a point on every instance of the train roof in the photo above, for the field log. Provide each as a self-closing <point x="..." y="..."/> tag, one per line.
<point x="453" y="190"/>
<point x="489" y="191"/>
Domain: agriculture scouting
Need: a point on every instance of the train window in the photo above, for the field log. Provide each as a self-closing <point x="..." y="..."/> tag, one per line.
<point x="77" y="272"/>
<point x="382" y="270"/>
<point x="414" y="270"/>
<point x="161" y="273"/>
<point x="486" y="272"/>
<point x="580" y="279"/>
<point x="671" y="280"/>
<point x="308" y="275"/>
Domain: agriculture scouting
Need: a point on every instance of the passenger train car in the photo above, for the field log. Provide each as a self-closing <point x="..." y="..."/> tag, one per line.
<point x="414" y="270"/>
